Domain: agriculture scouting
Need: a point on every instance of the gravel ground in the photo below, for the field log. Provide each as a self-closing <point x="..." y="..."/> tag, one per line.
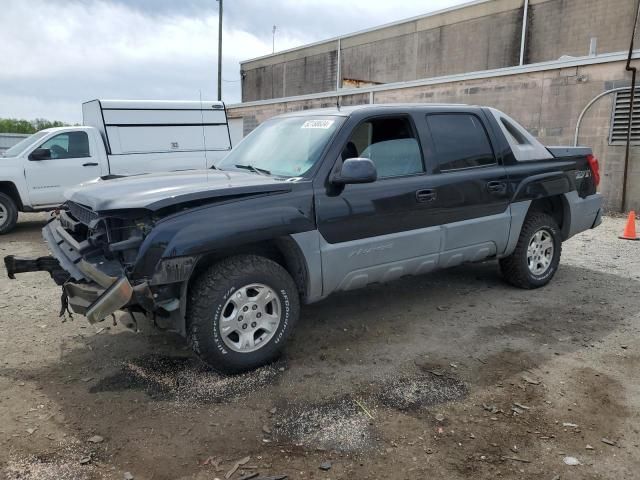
<point x="451" y="375"/>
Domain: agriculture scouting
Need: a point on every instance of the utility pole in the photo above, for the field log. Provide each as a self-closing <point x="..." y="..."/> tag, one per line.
<point x="219" y="50"/>
<point x="273" y="50"/>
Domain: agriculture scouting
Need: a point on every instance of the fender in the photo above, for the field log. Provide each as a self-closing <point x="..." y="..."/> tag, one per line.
<point x="209" y="229"/>
<point x="544" y="185"/>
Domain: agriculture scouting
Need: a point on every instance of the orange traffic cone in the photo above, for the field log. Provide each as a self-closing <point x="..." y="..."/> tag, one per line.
<point x="630" y="230"/>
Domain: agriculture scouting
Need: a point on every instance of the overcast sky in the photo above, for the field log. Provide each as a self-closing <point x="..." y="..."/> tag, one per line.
<point x="55" y="54"/>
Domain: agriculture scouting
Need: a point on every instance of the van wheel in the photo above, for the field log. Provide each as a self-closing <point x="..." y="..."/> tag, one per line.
<point x="535" y="260"/>
<point x="240" y="313"/>
<point x="8" y="214"/>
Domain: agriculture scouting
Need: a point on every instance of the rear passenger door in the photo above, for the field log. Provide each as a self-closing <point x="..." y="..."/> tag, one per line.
<point x="375" y="232"/>
<point x="470" y="186"/>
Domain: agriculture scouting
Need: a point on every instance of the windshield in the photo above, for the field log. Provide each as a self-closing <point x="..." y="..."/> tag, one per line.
<point x="20" y="146"/>
<point x="284" y="147"/>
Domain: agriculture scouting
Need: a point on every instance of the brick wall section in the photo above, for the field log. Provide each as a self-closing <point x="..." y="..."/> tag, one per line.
<point x="547" y="103"/>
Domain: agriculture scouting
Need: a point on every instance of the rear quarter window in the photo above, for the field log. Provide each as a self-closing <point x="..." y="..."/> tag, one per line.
<point x="460" y="141"/>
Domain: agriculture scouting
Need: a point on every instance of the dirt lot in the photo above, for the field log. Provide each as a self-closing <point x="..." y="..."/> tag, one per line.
<point x="453" y="375"/>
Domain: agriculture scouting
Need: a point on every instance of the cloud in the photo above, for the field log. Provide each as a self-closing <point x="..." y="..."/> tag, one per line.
<point x="61" y="53"/>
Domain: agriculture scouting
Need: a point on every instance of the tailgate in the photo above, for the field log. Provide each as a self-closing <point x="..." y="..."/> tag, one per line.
<point x="585" y="182"/>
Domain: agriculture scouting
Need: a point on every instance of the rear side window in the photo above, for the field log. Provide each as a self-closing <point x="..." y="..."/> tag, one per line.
<point x="390" y="143"/>
<point x="460" y="141"/>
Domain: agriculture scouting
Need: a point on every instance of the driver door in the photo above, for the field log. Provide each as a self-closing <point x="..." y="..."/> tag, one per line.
<point x="376" y="232"/>
<point x="70" y="163"/>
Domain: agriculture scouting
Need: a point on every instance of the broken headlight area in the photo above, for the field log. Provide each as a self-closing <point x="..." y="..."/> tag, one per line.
<point x="117" y="234"/>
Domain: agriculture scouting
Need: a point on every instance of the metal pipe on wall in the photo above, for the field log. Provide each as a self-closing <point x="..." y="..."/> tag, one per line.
<point x="220" y="50"/>
<point x="633" y="71"/>
<point x="588" y="106"/>
<point x="524" y="31"/>
<point x="338" y="69"/>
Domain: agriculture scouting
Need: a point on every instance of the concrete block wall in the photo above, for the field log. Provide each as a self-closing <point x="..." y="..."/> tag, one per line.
<point x="315" y="73"/>
<point x="547" y="103"/>
<point x="473" y="38"/>
<point x="565" y="27"/>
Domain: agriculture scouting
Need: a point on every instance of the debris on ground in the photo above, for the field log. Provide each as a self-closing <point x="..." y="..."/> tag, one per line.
<point x="517" y="459"/>
<point x="608" y="442"/>
<point x="250" y="476"/>
<point x="184" y="380"/>
<point x="568" y="424"/>
<point x="572" y="461"/>
<point x="411" y="392"/>
<point x="530" y="380"/>
<point x="128" y="476"/>
<point x="364" y="409"/>
<point x="95" y="439"/>
<point x="335" y="425"/>
<point x="236" y="466"/>
<point x="326" y="465"/>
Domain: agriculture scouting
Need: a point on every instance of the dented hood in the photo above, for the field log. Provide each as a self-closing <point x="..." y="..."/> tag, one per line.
<point x="159" y="190"/>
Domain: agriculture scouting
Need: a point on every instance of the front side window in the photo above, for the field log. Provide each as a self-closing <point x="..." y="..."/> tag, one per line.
<point x="284" y="147"/>
<point x="68" y="145"/>
<point x="460" y="141"/>
<point x="390" y="143"/>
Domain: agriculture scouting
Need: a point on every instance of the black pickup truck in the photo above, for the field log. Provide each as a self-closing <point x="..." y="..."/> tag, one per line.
<point x="312" y="203"/>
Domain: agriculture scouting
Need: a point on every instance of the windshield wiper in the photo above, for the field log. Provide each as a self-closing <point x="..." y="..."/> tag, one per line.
<point x="253" y="169"/>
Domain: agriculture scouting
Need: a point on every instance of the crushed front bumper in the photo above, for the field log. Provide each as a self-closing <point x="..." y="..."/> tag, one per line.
<point x="93" y="285"/>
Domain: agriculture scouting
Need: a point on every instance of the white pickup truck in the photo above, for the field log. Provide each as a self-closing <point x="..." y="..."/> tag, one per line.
<point x="118" y="138"/>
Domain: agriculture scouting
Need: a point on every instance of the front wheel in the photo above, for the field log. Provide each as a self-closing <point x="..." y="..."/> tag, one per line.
<point x="8" y="213"/>
<point x="536" y="257"/>
<point x="241" y="312"/>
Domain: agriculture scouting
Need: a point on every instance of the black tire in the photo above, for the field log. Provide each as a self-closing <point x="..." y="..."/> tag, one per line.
<point x="10" y="218"/>
<point x="515" y="268"/>
<point x="215" y="287"/>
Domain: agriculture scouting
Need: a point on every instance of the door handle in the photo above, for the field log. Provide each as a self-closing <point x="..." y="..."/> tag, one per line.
<point x="497" y="187"/>
<point x="90" y="164"/>
<point x="427" y="195"/>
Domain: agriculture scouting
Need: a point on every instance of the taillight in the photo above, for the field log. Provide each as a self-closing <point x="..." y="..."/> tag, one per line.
<point x="595" y="168"/>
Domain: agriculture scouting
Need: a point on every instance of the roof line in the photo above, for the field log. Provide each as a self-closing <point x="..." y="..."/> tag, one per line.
<point x="499" y="72"/>
<point x="367" y="30"/>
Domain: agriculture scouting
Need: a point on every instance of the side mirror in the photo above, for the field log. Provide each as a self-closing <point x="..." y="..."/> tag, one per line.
<point x="40" y="154"/>
<point x="356" y="170"/>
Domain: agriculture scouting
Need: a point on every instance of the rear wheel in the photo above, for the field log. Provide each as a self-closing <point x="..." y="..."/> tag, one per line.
<point x="536" y="257"/>
<point x="8" y="213"/>
<point x="241" y="312"/>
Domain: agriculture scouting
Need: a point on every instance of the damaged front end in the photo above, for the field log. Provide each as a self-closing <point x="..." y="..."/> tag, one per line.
<point x="93" y="258"/>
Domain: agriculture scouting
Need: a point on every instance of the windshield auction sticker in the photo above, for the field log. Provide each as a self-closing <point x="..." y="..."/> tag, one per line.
<point x="324" y="124"/>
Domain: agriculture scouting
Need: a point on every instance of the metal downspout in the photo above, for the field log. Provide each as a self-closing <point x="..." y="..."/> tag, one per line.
<point x="633" y="71"/>
<point x="339" y="64"/>
<point x="524" y="31"/>
<point x="338" y="73"/>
